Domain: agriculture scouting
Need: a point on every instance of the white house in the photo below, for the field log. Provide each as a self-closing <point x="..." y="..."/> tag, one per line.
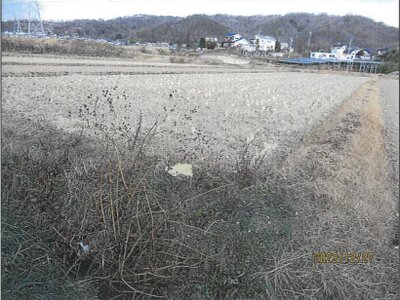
<point x="341" y="53"/>
<point x="284" y="46"/>
<point x="264" y="43"/>
<point x="382" y="51"/>
<point x="337" y="52"/>
<point x="241" y="43"/>
<point x="231" y="38"/>
<point x="323" y="55"/>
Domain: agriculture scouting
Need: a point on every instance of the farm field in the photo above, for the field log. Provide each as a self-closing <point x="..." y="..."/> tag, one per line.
<point x="279" y="166"/>
<point x="204" y="115"/>
<point x="50" y="65"/>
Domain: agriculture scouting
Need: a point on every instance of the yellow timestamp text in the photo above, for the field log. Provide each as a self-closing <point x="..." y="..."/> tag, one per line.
<point x="343" y="258"/>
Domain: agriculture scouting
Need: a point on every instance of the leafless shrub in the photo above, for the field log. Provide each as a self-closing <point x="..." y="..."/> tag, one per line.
<point x="146" y="50"/>
<point x="162" y="51"/>
<point x="148" y="234"/>
<point x="177" y="60"/>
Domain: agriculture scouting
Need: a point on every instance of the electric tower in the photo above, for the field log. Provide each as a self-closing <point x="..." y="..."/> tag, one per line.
<point x="28" y="19"/>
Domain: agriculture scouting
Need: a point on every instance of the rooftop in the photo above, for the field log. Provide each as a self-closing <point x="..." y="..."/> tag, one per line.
<point x="231" y="34"/>
<point x="264" y="37"/>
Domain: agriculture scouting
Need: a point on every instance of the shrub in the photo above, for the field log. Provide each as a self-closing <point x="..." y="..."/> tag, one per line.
<point x="177" y="60"/>
<point x="390" y="62"/>
<point x="149" y="233"/>
<point x="72" y="47"/>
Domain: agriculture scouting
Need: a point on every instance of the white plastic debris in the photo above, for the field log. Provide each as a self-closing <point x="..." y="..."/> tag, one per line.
<point x="85" y="248"/>
<point x="181" y="169"/>
<point x="250" y="138"/>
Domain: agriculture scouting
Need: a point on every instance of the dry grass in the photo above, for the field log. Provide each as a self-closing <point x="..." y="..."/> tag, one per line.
<point x="78" y="48"/>
<point x="245" y="234"/>
<point x="31" y="268"/>
<point x="150" y="235"/>
<point x="177" y="59"/>
<point x="344" y="204"/>
<point x="66" y="47"/>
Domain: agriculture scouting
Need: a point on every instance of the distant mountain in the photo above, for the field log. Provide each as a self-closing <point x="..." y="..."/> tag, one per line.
<point x="321" y="30"/>
<point x="245" y="25"/>
<point x="327" y="30"/>
<point x="189" y="29"/>
<point x="119" y="28"/>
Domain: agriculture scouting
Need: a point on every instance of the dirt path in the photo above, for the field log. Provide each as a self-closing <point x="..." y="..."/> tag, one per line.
<point x="338" y="184"/>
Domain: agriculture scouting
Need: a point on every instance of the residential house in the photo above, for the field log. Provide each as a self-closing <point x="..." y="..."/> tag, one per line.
<point x="382" y="51"/>
<point x="323" y="55"/>
<point x="342" y="53"/>
<point x="284" y="46"/>
<point x="231" y="38"/>
<point x="241" y="43"/>
<point x="264" y="42"/>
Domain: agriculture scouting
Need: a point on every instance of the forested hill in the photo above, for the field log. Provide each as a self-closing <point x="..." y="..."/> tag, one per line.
<point x="188" y="29"/>
<point x="325" y="29"/>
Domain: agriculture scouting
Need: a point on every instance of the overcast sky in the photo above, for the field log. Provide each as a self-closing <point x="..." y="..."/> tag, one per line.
<point x="386" y="11"/>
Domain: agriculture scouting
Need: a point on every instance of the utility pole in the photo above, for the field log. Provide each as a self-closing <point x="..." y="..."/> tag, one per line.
<point x="350" y="41"/>
<point x="18" y="26"/>
<point x="15" y="24"/>
<point x="309" y="39"/>
<point x="290" y="46"/>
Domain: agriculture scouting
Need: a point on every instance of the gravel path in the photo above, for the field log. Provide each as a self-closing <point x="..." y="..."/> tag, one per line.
<point x="390" y="110"/>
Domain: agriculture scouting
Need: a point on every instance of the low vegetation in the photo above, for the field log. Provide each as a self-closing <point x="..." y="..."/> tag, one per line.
<point x="390" y="62"/>
<point x="337" y="180"/>
<point x="75" y="48"/>
<point x="31" y="268"/>
<point x="105" y="219"/>
<point x="54" y="46"/>
<point x="149" y="234"/>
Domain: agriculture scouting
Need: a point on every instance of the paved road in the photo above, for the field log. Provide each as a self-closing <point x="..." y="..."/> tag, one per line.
<point x="390" y="109"/>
